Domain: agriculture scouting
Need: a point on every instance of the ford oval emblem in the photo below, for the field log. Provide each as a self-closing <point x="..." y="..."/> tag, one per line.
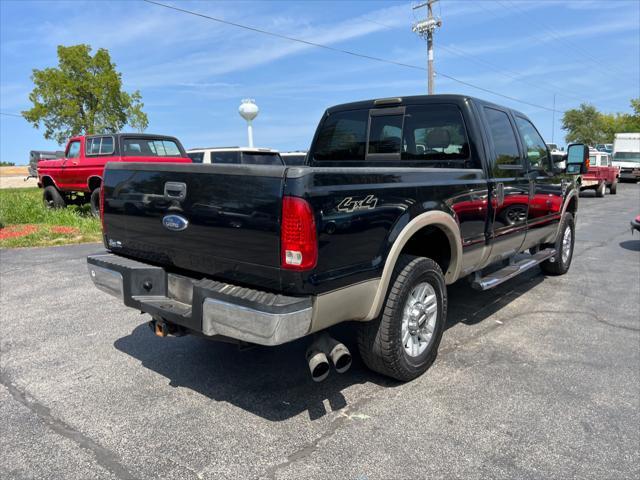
<point x="176" y="223"/>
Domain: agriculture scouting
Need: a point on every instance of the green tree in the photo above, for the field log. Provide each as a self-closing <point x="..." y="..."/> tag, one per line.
<point x="583" y="125"/>
<point x="587" y="125"/>
<point x="83" y="95"/>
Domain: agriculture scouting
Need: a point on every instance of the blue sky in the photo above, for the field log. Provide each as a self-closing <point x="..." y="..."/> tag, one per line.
<point x="193" y="72"/>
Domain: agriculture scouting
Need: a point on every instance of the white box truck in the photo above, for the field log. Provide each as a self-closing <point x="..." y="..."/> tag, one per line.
<point x="626" y="155"/>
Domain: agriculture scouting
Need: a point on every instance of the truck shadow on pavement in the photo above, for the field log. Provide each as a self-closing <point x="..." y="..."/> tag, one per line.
<point x="274" y="383"/>
<point x="633" y="245"/>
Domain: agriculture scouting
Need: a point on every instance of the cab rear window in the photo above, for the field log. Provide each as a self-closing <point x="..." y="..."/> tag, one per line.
<point x="433" y="135"/>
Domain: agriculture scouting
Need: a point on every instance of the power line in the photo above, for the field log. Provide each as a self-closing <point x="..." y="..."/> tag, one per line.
<point x="11" y="114"/>
<point x="498" y="94"/>
<point x="284" y="37"/>
<point x="508" y="73"/>
<point x="346" y="52"/>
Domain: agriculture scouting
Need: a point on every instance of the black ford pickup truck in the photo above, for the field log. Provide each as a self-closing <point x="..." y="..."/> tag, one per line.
<point x="399" y="198"/>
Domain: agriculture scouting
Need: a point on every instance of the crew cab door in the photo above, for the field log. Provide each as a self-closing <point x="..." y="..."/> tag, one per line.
<point x="508" y="184"/>
<point x="547" y="188"/>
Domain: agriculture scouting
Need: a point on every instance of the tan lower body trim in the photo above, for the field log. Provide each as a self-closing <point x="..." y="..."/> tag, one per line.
<point x="349" y="303"/>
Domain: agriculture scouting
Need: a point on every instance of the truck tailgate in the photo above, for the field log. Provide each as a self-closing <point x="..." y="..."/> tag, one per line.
<point x="215" y="219"/>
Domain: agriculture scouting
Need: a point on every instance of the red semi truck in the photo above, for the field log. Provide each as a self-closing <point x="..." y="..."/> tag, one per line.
<point x="76" y="177"/>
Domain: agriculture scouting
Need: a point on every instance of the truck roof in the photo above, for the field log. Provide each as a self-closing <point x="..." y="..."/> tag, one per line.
<point x="123" y="134"/>
<point x="232" y="149"/>
<point x="413" y="100"/>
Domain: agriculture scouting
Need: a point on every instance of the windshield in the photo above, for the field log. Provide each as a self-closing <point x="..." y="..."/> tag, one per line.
<point x="627" y="157"/>
<point x="150" y="147"/>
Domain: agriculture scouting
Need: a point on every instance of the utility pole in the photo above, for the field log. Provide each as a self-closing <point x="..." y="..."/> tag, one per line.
<point x="553" y="119"/>
<point x="425" y="28"/>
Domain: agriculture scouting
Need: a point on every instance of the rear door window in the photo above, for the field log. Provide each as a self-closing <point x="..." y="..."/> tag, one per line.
<point x="436" y="135"/>
<point x="505" y="144"/>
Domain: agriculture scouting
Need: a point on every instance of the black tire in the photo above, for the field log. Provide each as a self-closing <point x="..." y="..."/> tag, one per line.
<point x="556" y="265"/>
<point x="380" y="341"/>
<point x="601" y="190"/>
<point x="613" y="189"/>
<point x="95" y="202"/>
<point x="52" y="199"/>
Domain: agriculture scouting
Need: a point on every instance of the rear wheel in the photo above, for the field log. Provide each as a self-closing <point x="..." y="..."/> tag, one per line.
<point x="559" y="264"/>
<point x="95" y="202"/>
<point x="613" y="189"/>
<point x="601" y="190"/>
<point x="52" y="199"/>
<point x="402" y="342"/>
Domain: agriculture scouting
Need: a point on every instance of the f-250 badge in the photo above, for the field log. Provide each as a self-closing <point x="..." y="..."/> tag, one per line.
<point x="350" y="205"/>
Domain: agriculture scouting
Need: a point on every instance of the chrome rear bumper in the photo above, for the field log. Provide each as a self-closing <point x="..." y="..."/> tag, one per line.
<point x="206" y="306"/>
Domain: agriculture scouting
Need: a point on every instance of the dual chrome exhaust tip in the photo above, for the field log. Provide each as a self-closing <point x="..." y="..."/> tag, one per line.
<point x="323" y="349"/>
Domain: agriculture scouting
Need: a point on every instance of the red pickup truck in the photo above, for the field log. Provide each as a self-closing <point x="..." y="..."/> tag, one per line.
<point x="76" y="178"/>
<point x="601" y="174"/>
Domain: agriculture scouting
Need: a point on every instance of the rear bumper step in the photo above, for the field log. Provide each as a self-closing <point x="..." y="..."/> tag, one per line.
<point x="202" y="305"/>
<point x="522" y="264"/>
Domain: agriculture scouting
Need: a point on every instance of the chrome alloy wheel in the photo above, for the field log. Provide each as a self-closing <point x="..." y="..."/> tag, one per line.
<point x="566" y="244"/>
<point x="419" y="319"/>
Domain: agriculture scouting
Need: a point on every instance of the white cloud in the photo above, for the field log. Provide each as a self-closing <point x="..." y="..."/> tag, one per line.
<point x="251" y="50"/>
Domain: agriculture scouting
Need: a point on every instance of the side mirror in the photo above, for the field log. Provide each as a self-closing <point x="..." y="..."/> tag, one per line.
<point x="577" y="158"/>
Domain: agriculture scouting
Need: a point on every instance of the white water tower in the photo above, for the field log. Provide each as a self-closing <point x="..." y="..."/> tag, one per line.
<point x="249" y="110"/>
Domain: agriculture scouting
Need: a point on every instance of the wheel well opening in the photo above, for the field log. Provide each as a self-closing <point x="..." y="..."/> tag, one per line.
<point x="94" y="182"/>
<point x="430" y="242"/>
<point x="573" y="206"/>
<point x="47" y="182"/>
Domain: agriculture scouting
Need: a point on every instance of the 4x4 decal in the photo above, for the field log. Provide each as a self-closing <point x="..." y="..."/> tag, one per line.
<point x="350" y="205"/>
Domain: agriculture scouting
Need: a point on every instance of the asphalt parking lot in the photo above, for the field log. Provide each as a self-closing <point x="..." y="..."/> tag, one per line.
<point x="539" y="378"/>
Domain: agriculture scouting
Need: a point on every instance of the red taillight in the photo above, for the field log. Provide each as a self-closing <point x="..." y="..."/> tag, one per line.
<point x="299" y="246"/>
<point x="102" y="206"/>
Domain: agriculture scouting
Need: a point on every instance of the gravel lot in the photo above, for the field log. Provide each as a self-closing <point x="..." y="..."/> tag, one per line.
<point x="14" y="177"/>
<point x="539" y="378"/>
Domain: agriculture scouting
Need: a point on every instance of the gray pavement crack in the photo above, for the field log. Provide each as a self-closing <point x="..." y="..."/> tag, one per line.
<point x="309" y="449"/>
<point x="103" y="456"/>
